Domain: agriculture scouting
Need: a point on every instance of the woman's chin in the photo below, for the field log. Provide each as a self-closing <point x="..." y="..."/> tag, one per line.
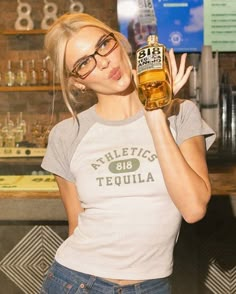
<point x="124" y="83"/>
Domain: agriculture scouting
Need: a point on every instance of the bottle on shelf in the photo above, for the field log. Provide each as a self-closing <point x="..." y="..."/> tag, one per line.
<point x="44" y="73"/>
<point x="1" y="137"/>
<point x="20" y="129"/>
<point x="22" y="123"/>
<point x="21" y="75"/>
<point x="1" y="140"/>
<point x="18" y="132"/>
<point x="153" y="73"/>
<point x="33" y="74"/>
<point x="8" y="132"/>
<point x="9" y="75"/>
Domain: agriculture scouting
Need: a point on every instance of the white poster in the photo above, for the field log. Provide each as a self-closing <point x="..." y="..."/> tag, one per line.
<point x="220" y="24"/>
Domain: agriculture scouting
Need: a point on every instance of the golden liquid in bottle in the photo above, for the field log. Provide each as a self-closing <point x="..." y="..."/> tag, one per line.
<point x="154" y="80"/>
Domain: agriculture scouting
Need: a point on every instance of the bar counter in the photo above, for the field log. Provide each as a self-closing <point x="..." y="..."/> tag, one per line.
<point x="222" y="173"/>
<point x="38" y="198"/>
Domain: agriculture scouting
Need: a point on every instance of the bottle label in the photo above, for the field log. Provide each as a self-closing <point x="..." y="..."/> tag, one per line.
<point x="149" y="58"/>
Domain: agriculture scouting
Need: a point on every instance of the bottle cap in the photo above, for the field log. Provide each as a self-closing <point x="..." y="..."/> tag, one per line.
<point x="152" y="39"/>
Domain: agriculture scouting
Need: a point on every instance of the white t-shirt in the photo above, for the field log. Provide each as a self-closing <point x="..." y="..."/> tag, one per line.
<point x="130" y="224"/>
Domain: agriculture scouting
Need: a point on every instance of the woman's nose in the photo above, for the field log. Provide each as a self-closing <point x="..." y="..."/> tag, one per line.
<point x="102" y="62"/>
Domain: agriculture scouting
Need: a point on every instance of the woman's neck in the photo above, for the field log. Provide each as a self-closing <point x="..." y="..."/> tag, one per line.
<point x="118" y="107"/>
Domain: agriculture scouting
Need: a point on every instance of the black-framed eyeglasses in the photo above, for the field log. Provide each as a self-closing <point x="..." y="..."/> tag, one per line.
<point x="86" y="65"/>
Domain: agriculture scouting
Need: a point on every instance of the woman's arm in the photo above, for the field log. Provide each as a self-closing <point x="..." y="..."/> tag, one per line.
<point x="184" y="168"/>
<point x="70" y="201"/>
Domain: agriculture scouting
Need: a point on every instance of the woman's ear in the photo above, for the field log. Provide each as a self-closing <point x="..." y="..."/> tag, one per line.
<point x="75" y="84"/>
<point x="80" y="86"/>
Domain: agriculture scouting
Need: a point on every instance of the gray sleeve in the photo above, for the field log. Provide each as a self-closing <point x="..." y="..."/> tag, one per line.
<point x="189" y="123"/>
<point x="57" y="156"/>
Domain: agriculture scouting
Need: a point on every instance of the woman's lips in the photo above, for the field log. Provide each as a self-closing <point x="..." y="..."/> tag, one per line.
<point x="115" y="74"/>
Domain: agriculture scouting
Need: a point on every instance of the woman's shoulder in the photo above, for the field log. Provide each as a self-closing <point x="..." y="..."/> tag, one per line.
<point x="73" y="122"/>
<point x="64" y="128"/>
<point x="69" y="128"/>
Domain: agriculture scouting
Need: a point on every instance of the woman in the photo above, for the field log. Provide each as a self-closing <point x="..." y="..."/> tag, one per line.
<point x="126" y="176"/>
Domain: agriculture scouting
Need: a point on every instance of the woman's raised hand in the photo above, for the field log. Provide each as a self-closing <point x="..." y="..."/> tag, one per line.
<point x="181" y="75"/>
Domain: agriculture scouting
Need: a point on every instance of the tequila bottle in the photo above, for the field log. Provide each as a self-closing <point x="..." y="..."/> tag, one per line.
<point x="21" y="76"/>
<point x="154" y="75"/>
<point x="9" y="75"/>
<point x="33" y="74"/>
<point x="44" y="73"/>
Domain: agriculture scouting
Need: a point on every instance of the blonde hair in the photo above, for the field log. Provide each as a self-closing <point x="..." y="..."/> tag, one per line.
<point x="56" y="41"/>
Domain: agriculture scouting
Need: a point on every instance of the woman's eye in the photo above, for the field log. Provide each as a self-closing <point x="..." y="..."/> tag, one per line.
<point x="105" y="43"/>
<point x="83" y="64"/>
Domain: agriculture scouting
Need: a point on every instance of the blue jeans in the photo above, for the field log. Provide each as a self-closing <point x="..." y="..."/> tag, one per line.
<point x="61" y="280"/>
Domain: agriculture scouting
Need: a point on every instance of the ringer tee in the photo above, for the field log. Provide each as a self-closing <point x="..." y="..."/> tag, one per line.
<point x="130" y="224"/>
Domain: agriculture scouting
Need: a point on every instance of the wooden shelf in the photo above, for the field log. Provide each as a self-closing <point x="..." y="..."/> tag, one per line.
<point x="16" y="161"/>
<point x="23" y="32"/>
<point x="29" y="195"/>
<point x="30" y="88"/>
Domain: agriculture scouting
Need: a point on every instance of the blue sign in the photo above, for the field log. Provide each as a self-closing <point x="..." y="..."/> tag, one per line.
<point x="178" y="24"/>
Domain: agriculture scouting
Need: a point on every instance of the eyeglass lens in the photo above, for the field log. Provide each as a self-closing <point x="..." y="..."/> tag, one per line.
<point x="87" y="65"/>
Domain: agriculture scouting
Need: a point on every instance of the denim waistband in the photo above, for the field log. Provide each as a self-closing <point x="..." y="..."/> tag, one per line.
<point x="63" y="280"/>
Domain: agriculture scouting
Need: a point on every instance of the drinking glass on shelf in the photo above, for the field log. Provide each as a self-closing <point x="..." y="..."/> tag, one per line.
<point x="1" y="141"/>
<point x="19" y="133"/>
<point x="39" y="133"/>
<point x="7" y="132"/>
<point x="10" y="139"/>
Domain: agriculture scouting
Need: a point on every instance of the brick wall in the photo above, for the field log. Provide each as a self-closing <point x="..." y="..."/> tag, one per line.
<point x="31" y="47"/>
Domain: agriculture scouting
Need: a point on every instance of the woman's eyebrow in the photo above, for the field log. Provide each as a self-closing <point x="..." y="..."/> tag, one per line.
<point x="100" y="40"/>
<point x="98" y="43"/>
